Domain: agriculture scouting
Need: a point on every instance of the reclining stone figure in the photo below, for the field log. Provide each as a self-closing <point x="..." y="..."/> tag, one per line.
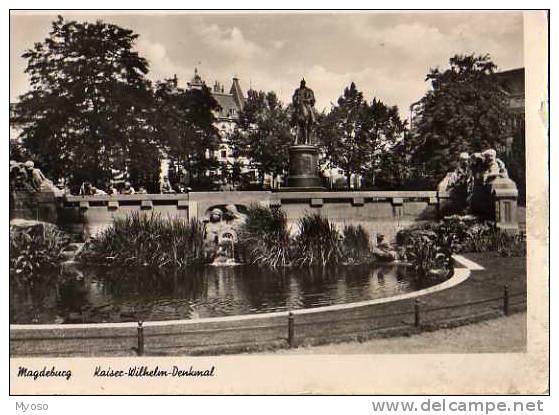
<point x="24" y="176"/>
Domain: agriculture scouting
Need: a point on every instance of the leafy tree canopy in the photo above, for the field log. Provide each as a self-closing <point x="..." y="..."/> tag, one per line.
<point x="466" y="110"/>
<point x="184" y="124"/>
<point x="89" y="103"/>
<point x="356" y="133"/>
<point x="263" y="133"/>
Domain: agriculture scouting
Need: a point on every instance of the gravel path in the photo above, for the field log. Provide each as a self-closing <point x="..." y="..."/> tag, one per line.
<point x="506" y="334"/>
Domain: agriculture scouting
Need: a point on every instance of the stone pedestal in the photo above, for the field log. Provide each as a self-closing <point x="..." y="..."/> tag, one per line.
<point x="39" y="206"/>
<point x="505" y="195"/>
<point x="303" y="169"/>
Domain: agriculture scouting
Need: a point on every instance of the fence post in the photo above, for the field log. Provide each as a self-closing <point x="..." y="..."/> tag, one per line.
<point x="140" y="338"/>
<point x="506" y="300"/>
<point x="290" y="329"/>
<point x="417" y="312"/>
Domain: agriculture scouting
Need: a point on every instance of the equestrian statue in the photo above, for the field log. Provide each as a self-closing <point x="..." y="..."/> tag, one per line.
<point x="304" y="116"/>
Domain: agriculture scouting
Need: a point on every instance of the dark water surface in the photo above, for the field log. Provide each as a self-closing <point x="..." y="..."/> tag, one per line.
<point x="96" y="294"/>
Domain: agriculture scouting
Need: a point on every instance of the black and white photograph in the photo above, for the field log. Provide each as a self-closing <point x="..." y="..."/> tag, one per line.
<point x="273" y="184"/>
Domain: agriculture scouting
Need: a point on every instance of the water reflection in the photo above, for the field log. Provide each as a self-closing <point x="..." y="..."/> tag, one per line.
<point x="96" y="294"/>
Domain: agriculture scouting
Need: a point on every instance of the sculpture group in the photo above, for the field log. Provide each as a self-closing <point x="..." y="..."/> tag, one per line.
<point x="469" y="181"/>
<point x="25" y="176"/>
<point x="221" y="229"/>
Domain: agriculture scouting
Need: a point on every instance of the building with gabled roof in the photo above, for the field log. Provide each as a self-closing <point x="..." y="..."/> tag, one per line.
<point x="230" y="105"/>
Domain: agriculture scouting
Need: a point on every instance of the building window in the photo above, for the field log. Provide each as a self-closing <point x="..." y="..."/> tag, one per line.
<point x="223" y="154"/>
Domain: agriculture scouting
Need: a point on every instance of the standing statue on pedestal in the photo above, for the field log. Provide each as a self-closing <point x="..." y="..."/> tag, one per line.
<point x="303" y="114"/>
<point x="303" y="154"/>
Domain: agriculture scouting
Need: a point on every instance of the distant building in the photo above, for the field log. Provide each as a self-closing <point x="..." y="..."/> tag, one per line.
<point x="512" y="82"/>
<point x="230" y="105"/>
<point x="414" y="115"/>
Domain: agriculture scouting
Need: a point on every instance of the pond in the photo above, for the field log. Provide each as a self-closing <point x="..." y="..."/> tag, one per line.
<point x="80" y="294"/>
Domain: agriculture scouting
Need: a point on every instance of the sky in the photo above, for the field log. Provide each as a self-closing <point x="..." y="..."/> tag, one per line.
<point x="386" y="54"/>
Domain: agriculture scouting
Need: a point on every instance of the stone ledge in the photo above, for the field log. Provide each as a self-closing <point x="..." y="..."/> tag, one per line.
<point x="317" y="202"/>
<point x="358" y="201"/>
<point x="147" y="204"/>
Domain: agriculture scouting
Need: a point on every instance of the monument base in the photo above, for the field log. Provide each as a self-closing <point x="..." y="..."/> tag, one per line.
<point x="505" y="194"/>
<point x="39" y="206"/>
<point x="303" y="169"/>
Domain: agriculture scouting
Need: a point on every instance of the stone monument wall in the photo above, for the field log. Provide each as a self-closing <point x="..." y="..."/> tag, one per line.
<point x="40" y="206"/>
<point x="378" y="212"/>
<point x="383" y="212"/>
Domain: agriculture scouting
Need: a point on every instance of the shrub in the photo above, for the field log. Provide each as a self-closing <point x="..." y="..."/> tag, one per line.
<point x="473" y="235"/>
<point x="427" y="252"/>
<point x="318" y="242"/>
<point x="469" y="234"/>
<point x="356" y="244"/>
<point x="148" y="240"/>
<point x="454" y="234"/>
<point x="264" y="239"/>
<point x="34" y="248"/>
<point x="510" y="244"/>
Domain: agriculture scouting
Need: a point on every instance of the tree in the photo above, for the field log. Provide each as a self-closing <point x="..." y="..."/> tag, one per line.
<point x="356" y="135"/>
<point x="184" y="123"/>
<point x="343" y="133"/>
<point x="89" y="103"/>
<point x="395" y="171"/>
<point x="263" y="134"/>
<point x="465" y="111"/>
<point x="385" y="130"/>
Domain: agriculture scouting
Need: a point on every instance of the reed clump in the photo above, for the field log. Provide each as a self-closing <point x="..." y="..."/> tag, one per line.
<point x="356" y="244"/>
<point x="319" y="243"/>
<point x="264" y="239"/>
<point x="148" y="240"/>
